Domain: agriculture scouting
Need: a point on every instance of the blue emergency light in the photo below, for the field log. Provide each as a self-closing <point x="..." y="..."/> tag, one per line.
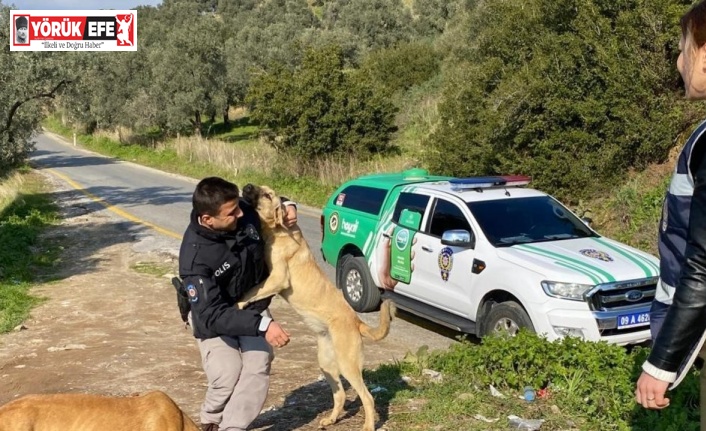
<point x="472" y="183"/>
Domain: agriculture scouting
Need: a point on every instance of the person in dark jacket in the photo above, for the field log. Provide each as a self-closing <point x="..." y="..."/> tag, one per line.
<point x="222" y="257"/>
<point x="678" y="317"/>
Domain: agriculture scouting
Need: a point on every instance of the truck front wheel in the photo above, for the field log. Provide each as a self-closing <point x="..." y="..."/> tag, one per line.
<point x="357" y="284"/>
<point x="506" y="318"/>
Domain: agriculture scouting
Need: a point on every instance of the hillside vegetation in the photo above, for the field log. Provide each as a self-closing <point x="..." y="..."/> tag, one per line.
<point x="575" y="93"/>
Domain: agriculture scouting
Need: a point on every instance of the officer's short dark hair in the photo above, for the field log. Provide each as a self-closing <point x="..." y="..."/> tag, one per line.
<point x="211" y="193"/>
<point x="21" y="22"/>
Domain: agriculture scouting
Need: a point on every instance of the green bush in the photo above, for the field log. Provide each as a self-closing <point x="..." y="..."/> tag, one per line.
<point x="321" y="109"/>
<point x="571" y="92"/>
<point x="374" y="23"/>
<point x="432" y="16"/>
<point x="587" y="380"/>
<point x="403" y="66"/>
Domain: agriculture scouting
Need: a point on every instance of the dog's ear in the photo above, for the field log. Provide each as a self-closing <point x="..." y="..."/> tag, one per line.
<point x="279" y="216"/>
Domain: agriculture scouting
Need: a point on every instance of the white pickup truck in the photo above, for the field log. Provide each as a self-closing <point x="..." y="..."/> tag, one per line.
<point x="485" y="254"/>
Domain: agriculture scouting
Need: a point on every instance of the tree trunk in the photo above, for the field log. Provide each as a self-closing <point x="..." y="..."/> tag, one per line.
<point x="226" y="120"/>
<point x="91" y="127"/>
<point x="197" y="123"/>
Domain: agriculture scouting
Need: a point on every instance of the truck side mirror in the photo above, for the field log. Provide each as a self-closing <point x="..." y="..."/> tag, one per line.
<point x="458" y="238"/>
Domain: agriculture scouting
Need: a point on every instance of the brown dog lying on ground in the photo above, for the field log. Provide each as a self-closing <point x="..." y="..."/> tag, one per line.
<point x="295" y="275"/>
<point x="153" y="411"/>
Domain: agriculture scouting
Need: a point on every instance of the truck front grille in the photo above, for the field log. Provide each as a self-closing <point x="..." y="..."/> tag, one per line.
<point x="622" y="295"/>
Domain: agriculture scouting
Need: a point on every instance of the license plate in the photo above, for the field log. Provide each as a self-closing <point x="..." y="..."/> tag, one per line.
<point x="634" y="319"/>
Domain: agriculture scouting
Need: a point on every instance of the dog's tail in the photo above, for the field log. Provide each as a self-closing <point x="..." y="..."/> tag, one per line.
<point x="387" y="310"/>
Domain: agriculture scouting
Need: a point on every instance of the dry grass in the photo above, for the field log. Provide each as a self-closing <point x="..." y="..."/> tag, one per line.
<point x="236" y="113"/>
<point x="10" y="188"/>
<point x="248" y="155"/>
<point x="256" y="156"/>
<point x="119" y="134"/>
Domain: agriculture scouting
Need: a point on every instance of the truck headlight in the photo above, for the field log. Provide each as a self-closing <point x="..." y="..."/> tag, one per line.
<point x="563" y="331"/>
<point x="572" y="291"/>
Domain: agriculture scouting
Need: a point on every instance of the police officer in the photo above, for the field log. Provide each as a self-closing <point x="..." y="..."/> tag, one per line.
<point x="222" y="257"/>
<point x="677" y="315"/>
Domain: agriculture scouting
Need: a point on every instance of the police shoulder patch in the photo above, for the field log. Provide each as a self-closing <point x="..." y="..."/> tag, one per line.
<point x="251" y="231"/>
<point x="192" y="292"/>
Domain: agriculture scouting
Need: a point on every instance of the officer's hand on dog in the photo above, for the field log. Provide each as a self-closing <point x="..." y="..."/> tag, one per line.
<point x="276" y="335"/>
<point x="290" y="216"/>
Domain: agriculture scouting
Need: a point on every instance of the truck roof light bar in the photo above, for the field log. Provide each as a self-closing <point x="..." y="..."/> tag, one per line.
<point x="473" y="183"/>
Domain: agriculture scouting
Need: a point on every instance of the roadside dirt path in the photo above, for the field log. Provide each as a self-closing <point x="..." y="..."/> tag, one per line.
<point x="107" y="328"/>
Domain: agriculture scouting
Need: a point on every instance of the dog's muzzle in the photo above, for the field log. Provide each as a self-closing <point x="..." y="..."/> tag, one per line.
<point x="250" y="193"/>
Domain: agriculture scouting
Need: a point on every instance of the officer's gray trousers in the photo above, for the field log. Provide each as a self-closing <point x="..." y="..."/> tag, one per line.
<point x="238" y="373"/>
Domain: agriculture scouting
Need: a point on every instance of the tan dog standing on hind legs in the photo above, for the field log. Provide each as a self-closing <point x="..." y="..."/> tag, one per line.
<point x="296" y="277"/>
<point x="153" y="411"/>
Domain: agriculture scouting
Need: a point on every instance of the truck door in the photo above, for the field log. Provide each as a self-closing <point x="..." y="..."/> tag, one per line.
<point x="442" y="274"/>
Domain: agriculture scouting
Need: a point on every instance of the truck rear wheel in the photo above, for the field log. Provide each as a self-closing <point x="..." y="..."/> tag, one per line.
<point x="357" y="284"/>
<point x="506" y="318"/>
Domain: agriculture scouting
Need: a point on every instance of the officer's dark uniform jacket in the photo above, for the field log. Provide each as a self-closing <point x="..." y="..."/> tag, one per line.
<point x="217" y="268"/>
<point x="684" y="264"/>
<point x="676" y="214"/>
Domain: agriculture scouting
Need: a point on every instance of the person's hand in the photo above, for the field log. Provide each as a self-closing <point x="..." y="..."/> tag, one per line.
<point x="276" y="335"/>
<point x="290" y="215"/>
<point x="387" y="282"/>
<point x="650" y="392"/>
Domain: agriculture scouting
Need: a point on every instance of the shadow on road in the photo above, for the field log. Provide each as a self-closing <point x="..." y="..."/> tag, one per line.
<point x="304" y="407"/>
<point x="82" y="237"/>
<point x="43" y="158"/>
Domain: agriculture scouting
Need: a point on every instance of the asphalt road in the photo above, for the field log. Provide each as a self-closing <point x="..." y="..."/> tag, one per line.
<point x="146" y="196"/>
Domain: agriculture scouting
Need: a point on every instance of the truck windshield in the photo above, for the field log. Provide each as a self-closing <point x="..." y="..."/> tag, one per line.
<point x="506" y="222"/>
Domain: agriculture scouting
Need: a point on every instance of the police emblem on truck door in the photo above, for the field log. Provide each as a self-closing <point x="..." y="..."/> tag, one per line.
<point x="446" y="262"/>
